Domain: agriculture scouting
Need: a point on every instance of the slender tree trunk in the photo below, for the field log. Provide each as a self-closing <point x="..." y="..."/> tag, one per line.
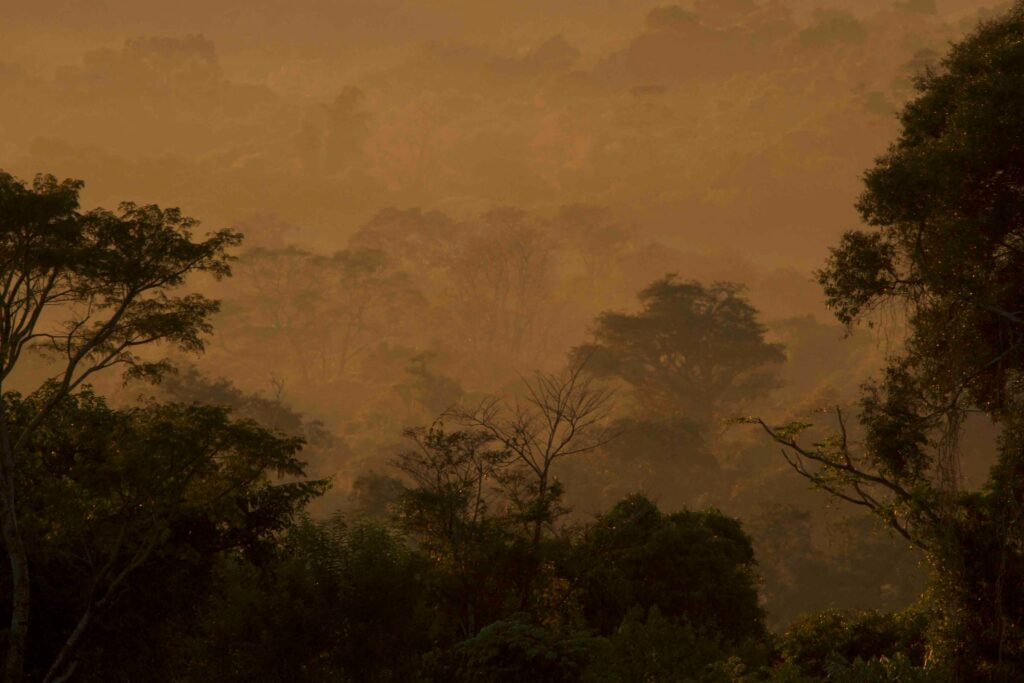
<point x="20" y="585"/>
<point x="526" y="598"/>
<point x="14" y="666"/>
<point x="63" y="666"/>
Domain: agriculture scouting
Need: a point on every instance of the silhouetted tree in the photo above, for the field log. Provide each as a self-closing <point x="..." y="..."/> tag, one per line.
<point x="90" y="289"/>
<point x="948" y="214"/>
<point x="562" y="415"/>
<point x="696" y="567"/>
<point x="693" y="352"/>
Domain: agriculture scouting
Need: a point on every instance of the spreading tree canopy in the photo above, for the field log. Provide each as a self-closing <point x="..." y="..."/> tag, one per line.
<point x="91" y="290"/>
<point x="692" y="351"/>
<point x="944" y="250"/>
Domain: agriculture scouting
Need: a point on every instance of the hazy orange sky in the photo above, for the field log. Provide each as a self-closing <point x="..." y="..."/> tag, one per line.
<point x="735" y="125"/>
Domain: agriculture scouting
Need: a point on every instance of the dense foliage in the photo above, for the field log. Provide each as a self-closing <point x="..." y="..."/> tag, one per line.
<point x="947" y="210"/>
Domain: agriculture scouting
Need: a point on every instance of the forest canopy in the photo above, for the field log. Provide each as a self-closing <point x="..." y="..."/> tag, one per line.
<point x="509" y="363"/>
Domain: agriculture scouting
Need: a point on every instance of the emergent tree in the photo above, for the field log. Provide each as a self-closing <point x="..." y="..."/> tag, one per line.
<point x="691" y="352"/>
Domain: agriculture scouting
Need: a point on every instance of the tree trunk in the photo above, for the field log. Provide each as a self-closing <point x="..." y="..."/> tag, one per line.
<point x="14" y="665"/>
<point x="526" y="597"/>
<point x="63" y="666"/>
<point x="20" y="586"/>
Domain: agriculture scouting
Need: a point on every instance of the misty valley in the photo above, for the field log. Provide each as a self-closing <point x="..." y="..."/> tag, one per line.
<point x="447" y="342"/>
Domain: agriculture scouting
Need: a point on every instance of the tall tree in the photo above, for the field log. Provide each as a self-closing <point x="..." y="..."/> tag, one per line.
<point x="947" y="251"/>
<point x="692" y="354"/>
<point x="692" y="351"/>
<point x="92" y="290"/>
<point x="562" y="415"/>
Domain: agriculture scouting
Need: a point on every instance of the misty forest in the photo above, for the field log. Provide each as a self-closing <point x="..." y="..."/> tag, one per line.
<point x="464" y="342"/>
